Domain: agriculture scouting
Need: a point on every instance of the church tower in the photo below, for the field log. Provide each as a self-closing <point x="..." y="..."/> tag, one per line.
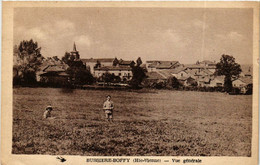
<point x="75" y="53"/>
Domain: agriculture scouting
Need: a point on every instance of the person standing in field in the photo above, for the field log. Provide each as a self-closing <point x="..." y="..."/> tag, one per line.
<point x="108" y="108"/>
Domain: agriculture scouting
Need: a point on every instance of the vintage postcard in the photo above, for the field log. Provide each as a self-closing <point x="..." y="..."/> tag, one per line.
<point x="130" y="83"/>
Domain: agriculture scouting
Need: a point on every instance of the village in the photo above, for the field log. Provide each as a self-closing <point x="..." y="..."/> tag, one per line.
<point x="137" y="81"/>
<point x="157" y="73"/>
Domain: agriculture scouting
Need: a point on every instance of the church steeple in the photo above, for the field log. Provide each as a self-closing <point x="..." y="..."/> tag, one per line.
<point x="74" y="48"/>
<point x="75" y="53"/>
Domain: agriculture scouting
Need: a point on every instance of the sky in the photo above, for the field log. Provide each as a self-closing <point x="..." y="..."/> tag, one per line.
<point x="179" y="34"/>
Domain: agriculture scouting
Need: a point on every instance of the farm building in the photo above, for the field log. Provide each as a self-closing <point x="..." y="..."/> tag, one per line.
<point x="53" y="74"/>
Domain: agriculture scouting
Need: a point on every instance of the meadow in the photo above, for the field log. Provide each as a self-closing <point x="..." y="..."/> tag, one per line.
<point x="146" y="123"/>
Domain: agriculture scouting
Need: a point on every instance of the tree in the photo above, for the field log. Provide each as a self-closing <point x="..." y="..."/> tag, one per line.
<point x="98" y="64"/>
<point x="66" y="58"/>
<point x="77" y="70"/>
<point x="108" y="77"/>
<point x="138" y="76"/>
<point x="229" y="68"/>
<point x="138" y="61"/>
<point x="28" y="59"/>
<point x="115" y="62"/>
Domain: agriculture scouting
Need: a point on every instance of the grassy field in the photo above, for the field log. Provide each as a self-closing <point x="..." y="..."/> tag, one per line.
<point x="146" y="123"/>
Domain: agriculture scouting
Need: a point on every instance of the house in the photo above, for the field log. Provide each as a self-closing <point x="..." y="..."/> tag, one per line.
<point x="159" y="65"/>
<point x="154" y="78"/>
<point x="53" y="74"/>
<point x="91" y="63"/>
<point x="243" y="84"/>
<point x="188" y="81"/>
<point x="51" y="64"/>
<point x="180" y="73"/>
<point x="217" y="81"/>
<point x="204" y="81"/>
<point x="200" y="67"/>
<point x="124" y="72"/>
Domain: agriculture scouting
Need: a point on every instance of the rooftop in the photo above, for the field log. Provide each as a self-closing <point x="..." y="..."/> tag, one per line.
<point x="246" y="80"/>
<point x="115" y="68"/>
<point x="161" y="64"/>
<point x="98" y="59"/>
<point x="123" y="62"/>
<point x="54" y="68"/>
<point x="154" y="75"/>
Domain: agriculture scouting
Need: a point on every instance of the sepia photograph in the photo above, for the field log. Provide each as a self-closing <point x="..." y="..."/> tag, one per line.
<point x="132" y="81"/>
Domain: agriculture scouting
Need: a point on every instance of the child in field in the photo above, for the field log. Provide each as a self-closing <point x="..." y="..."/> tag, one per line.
<point x="108" y="108"/>
<point x="47" y="113"/>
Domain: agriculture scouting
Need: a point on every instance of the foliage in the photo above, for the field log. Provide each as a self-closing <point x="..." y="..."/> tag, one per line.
<point x="229" y="68"/>
<point x="68" y="59"/>
<point x="98" y="64"/>
<point x="173" y="82"/>
<point x="27" y="59"/>
<point x="115" y="62"/>
<point x="138" y="76"/>
<point x="108" y="77"/>
<point x="138" y="61"/>
<point x="78" y="72"/>
<point x="159" y="84"/>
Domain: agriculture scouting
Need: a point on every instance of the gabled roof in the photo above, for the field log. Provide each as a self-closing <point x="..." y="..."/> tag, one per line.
<point x="54" y="68"/>
<point x="94" y="60"/>
<point x="246" y="80"/>
<point x="161" y="64"/>
<point x="178" y="70"/>
<point x="155" y="76"/>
